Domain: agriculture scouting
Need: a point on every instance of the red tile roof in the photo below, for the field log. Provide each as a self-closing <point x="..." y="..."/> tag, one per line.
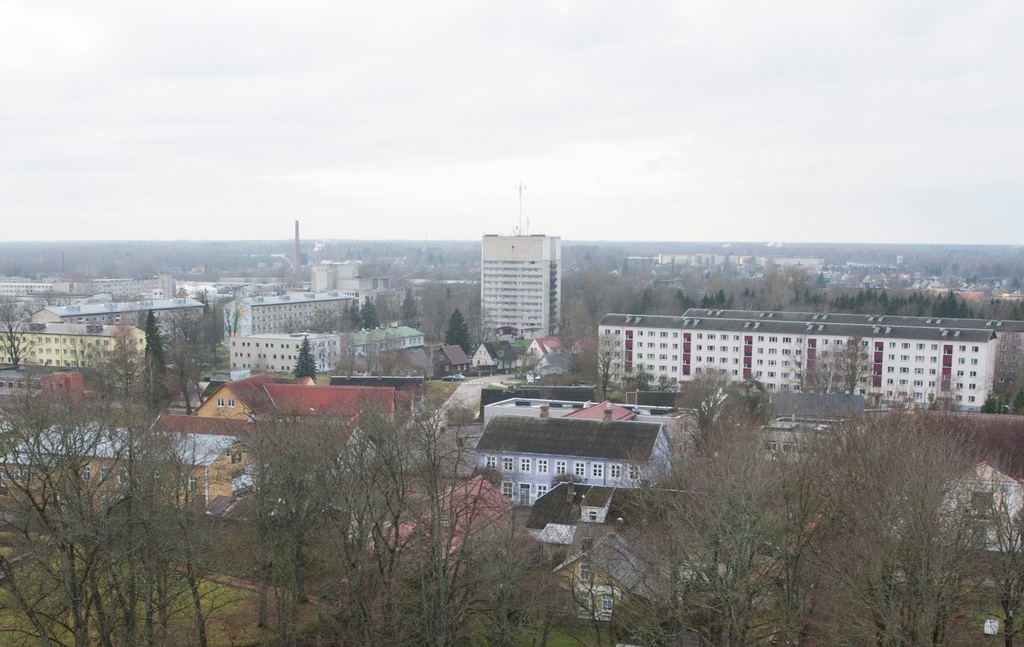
<point x="548" y="344"/>
<point x="295" y="399"/>
<point x="262" y="394"/>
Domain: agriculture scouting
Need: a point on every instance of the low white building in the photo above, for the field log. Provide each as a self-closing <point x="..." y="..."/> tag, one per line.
<point x="287" y="313"/>
<point x="277" y="353"/>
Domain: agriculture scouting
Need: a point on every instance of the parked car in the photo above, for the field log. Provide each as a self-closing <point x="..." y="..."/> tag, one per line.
<point x="455" y="377"/>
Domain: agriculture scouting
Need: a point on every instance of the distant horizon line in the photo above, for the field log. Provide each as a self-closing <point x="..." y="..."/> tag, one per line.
<point x="721" y="243"/>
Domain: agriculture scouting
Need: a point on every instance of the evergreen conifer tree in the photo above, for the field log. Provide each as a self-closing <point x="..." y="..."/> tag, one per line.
<point x="354" y="315"/>
<point x="368" y="315"/>
<point x="458" y="331"/>
<point x="409" y="314"/>
<point x="154" y="368"/>
<point x="305" y="366"/>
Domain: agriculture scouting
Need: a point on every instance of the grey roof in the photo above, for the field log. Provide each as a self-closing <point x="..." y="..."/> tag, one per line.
<point x="561" y="504"/>
<point x="95" y="440"/>
<point x="305" y="297"/>
<point x="92" y="330"/>
<point x="998" y="325"/>
<point x="624" y="440"/>
<point x="613" y="554"/>
<point x="126" y="306"/>
<point x="832" y="325"/>
<point x="822" y="405"/>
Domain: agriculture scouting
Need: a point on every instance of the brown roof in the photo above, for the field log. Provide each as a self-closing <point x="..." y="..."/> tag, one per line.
<point x="454" y="354"/>
<point x="200" y="425"/>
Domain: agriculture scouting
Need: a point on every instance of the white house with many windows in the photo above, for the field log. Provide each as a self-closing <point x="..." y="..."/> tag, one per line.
<point x="534" y="453"/>
<point x="906" y="359"/>
<point x="278" y="353"/>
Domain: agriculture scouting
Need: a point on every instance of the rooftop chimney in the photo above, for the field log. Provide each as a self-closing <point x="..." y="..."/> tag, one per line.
<point x="607" y="411"/>
<point x="545" y="411"/>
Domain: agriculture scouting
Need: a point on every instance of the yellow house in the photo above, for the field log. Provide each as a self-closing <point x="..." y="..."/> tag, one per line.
<point x="260" y="397"/>
<point x="72" y="345"/>
<point x="601" y="573"/>
<point x="95" y="461"/>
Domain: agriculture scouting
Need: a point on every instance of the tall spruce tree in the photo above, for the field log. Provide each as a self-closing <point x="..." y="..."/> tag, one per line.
<point x="305" y="366"/>
<point x="368" y="315"/>
<point x="458" y="331"/>
<point x="353" y="314"/>
<point x="409" y="315"/>
<point x="154" y="368"/>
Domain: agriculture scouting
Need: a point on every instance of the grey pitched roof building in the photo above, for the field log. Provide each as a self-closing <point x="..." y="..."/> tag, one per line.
<point x="624" y="440"/>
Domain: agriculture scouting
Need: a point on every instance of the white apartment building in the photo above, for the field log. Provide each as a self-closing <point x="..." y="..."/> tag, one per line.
<point x="912" y="359"/>
<point x="285" y="314"/>
<point x="521" y="284"/>
<point x="13" y="287"/>
<point x="277" y="353"/>
<point x="111" y="313"/>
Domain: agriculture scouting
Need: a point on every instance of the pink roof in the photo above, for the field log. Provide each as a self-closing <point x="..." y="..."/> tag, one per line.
<point x="597" y="412"/>
<point x="473" y="506"/>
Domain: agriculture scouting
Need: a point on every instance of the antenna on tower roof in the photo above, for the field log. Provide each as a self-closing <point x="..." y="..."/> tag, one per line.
<point x="519" y="231"/>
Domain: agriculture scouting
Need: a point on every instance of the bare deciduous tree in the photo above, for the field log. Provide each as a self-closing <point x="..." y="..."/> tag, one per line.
<point x="15" y="346"/>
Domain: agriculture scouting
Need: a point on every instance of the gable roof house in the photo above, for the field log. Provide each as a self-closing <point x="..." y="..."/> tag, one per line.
<point x="496" y="355"/>
<point x="261" y="397"/>
<point x="449" y="360"/>
<point x="541" y="346"/>
<point x="532" y="453"/>
<point x="599" y="572"/>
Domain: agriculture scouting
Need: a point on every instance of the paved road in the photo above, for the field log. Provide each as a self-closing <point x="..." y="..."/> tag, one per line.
<point x="468" y="393"/>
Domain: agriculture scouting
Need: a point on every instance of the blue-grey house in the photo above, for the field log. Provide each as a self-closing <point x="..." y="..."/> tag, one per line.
<point x="533" y="453"/>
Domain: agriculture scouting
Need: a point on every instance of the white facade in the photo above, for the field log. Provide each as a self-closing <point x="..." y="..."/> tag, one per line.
<point x="278" y="353"/>
<point x="284" y="314"/>
<point x="911" y="359"/>
<point x="110" y="313"/>
<point x="521" y="284"/>
<point x="373" y="342"/>
<point x="345" y="277"/>
<point x="16" y="287"/>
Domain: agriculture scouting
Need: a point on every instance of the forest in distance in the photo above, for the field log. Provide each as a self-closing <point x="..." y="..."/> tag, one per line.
<point x="213" y="260"/>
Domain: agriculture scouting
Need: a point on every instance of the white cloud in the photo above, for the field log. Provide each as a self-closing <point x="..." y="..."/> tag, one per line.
<point x="716" y="121"/>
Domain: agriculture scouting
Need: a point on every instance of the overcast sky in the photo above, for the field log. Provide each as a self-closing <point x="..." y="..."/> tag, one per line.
<point x="868" y="120"/>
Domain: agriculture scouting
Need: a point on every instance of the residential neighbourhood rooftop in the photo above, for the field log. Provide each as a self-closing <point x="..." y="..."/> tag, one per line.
<point x="560" y="436"/>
